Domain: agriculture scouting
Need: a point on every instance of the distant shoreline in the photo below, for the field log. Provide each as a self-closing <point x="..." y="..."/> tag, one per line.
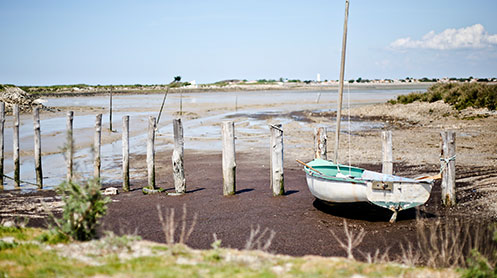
<point x="76" y="92"/>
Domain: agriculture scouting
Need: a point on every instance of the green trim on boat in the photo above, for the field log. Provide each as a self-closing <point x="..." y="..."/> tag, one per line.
<point x="329" y="170"/>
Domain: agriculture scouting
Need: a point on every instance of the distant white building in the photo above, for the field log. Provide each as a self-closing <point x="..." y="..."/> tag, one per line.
<point x="193" y="84"/>
<point x="318" y="77"/>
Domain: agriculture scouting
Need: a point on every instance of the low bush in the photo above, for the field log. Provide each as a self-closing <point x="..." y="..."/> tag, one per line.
<point x="460" y="96"/>
<point x="84" y="205"/>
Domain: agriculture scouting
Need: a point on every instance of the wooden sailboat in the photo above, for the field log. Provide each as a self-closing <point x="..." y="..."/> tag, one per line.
<point x="336" y="183"/>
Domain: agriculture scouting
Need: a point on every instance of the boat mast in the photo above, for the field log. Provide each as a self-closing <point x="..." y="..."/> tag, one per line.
<point x="340" y="89"/>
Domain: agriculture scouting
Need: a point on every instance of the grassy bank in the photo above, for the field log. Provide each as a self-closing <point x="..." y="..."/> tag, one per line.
<point x="24" y="254"/>
<point x="459" y="95"/>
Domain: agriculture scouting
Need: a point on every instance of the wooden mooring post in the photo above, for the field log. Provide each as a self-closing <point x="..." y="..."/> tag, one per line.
<point x="177" y="157"/>
<point x="151" y="152"/>
<point x="97" y="146"/>
<point x="277" y="177"/>
<point x="110" y="110"/>
<point x="387" y="157"/>
<point x="125" y="140"/>
<point x="37" y="147"/>
<point x="2" y="123"/>
<point x="17" y="165"/>
<point x="320" y="143"/>
<point x="448" y="165"/>
<point x="229" y="162"/>
<point x="69" y="145"/>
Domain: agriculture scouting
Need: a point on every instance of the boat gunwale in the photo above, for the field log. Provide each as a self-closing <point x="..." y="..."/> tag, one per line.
<point x="312" y="173"/>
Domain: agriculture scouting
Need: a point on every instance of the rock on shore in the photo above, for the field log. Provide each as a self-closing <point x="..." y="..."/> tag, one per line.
<point x="12" y="95"/>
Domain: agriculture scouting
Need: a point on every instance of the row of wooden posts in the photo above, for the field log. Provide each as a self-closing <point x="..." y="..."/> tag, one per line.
<point x="228" y="154"/>
<point x="228" y="160"/>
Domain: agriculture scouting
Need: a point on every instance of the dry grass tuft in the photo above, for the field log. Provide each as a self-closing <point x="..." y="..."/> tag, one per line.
<point x="259" y="240"/>
<point x="169" y="225"/>
<point x="351" y="240"/>
<point x="450" y="243"/>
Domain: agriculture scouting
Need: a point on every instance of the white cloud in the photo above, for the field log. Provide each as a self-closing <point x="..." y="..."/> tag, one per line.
<point x="469" y="37"/>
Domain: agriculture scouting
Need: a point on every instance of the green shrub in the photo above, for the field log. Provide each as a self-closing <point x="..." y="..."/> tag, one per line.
<point x="479" y="267"/>
<point x="84" y="205"/>
<point x="460" y="96"/>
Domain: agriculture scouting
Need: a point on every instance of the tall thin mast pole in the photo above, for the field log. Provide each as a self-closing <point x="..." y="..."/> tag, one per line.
<point x="342" y="72"/>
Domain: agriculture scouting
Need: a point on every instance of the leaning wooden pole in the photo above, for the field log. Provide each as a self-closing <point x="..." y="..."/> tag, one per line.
<point x="162" y="105"/>
<point x="69" y="146"/>
<point x="97" y="142"/>
<point x="37" y="146"/>
<point x="277" y="177"/>
<point x="177" y="158"/>
<point x="151" y="152"/>
<point x="320" y="143"/>
<point x="17" y="164"/>
<point x="342" y="73"/>
<point x="125" y="140"/>
<point x="229" y="162"/>
<point x="2" y="154"/>
<point x="386" y="139"/>
<point x="448" y="161"/>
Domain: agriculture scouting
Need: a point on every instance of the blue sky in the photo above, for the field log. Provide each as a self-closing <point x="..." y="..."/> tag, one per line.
<point x="150" y="42"/>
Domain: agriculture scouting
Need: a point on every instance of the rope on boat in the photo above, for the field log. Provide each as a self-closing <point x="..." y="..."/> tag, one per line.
<point x="445" y="161"/>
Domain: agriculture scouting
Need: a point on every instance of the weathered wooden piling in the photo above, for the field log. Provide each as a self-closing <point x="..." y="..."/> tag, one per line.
<point x="320" y="143"/>
<point x="177" y="158"/>
<point x="2" y="123"/>
<point x="17" y="165"/>
<point x="386" y="139"/>
<point x="69" y="145"/>
<point x="151" y="152"/>
<point x="97" y="146"/>
<point x="448" y="164"/>
<point x="277" y="177"/>
<point x="37" y="147"/>
<point x="229" y="161"/>
<point x="110" y="110"/>
<point x="125" y="140"/>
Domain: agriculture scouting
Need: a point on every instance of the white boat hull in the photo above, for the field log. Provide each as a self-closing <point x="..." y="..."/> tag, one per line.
<point x="391" y="192"/>
<point x="337" y="191"/>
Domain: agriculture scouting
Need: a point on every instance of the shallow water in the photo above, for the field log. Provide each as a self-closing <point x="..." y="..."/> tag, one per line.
<point x="204" y="112"/>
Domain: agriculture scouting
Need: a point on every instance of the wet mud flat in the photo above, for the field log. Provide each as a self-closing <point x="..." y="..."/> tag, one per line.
<point x="301" y="224"/>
